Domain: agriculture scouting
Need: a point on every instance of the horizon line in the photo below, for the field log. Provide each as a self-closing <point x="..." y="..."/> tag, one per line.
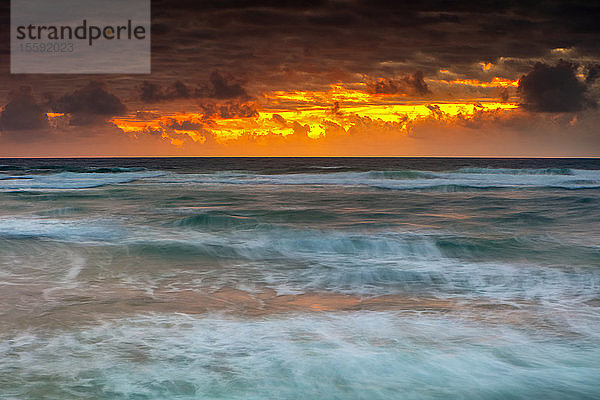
<point x="449" y="157"/>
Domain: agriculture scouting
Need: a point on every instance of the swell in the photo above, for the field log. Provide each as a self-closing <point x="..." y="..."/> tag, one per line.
<point x="464" y="179"/>
<point x="223" y="235"/>
<point x="480" y="179"/>
<point x="71" y="180"/>
<point x="384" y="263"/>
<point x="518" y="171"/>
<point x="298" y="261"/>
<point x="253" y="219"/>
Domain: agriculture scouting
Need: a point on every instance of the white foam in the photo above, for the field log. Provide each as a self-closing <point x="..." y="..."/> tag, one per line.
<point x="351" y="355"/>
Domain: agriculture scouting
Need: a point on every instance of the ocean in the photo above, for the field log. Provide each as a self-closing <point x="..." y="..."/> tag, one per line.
<point x="300" y="278"/>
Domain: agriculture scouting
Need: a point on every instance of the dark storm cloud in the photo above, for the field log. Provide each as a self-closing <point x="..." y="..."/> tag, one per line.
<point x="412" y="84"/>
<point x="592" y="73"/>
<point x="554" y="89"/>
<point x="274" y="42"/>
<point x="4" y="22"/>
<point x="220" y="86"/>
<point x="23" y="111"/>
<point x="89" y="104"/>
<point x="290" y="45"/>
<point x="225" y="87"/>
<point x="153" y="92"/>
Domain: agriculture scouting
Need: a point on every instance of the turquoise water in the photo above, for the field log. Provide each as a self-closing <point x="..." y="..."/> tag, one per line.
<point x="299" y="278"/>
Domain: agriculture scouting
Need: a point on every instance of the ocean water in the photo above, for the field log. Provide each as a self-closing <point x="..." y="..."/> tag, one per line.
<point x="300" y="278"/>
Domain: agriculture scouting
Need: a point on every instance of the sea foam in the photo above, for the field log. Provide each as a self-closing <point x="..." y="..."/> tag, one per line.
<point x="373" y="355"/>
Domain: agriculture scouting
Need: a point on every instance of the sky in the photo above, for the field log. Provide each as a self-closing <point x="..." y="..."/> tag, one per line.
<point x="327" y="78"/>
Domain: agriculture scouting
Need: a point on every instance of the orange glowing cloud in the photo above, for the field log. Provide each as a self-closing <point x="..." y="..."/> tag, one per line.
<point x="310" y="114"/>
<point x="494" y="83"/>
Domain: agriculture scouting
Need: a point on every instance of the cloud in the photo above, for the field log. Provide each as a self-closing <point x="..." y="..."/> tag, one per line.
<point x="504" y="94"/>
<point x="553" y="89"/>
<point x="229" y="109"/>
<point x="483" y="133"/>
<point x="279" y="119"/>
<point x="326" y="43"/>
<point x="592" y="73"/>
<point x="363" y="37"/>
<point x="366" y="37"/>
<point x="411" y="84"/>
<point x="219" y="86"/>
<point x="436" y="111"/>
<point x="89" y="104"/>
<point x="152" y="92"/>
<point x="183" y="125"/>
<point x="23" y="111"/>
<point x="226" y="87"/>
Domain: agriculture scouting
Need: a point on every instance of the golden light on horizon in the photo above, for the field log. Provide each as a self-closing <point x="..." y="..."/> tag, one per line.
<point x="310" y="114"/>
